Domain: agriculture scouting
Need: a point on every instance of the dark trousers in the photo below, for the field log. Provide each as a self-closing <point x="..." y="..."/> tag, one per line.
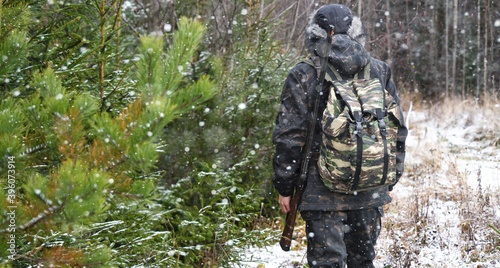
<point x="339" y="237"/>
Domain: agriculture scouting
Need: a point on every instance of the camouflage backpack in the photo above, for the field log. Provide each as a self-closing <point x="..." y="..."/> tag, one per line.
<point x="360" y="127"/>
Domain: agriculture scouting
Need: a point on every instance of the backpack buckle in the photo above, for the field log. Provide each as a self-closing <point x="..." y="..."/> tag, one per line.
<point x="359" y="128"/>
<point x="381" y="122"/>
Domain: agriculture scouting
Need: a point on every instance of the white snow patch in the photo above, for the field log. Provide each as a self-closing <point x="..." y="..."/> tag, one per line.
<point x="272" y="256"/>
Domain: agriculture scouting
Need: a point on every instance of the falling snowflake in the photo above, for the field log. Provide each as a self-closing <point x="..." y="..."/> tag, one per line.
<point x="242" y="106"/>
<point x="167" y="27"/>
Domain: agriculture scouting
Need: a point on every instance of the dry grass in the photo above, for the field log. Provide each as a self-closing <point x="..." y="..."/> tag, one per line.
<point x="441" y="209"/>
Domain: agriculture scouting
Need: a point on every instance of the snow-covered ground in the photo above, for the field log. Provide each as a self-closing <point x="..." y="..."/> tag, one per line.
<point x="442" y="206"/>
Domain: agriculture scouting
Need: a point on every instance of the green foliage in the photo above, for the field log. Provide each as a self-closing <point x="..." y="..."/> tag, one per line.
<point x="218" y="160"/>
<point x="77" y="168"/>
<point x="13" y="46"/>
<point x="157" y="155"/>
<point x="211" y="215"/>
<point x="72" y="197"/>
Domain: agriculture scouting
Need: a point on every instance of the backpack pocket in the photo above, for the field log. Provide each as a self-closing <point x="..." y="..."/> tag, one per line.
<point x="336" y="156"/>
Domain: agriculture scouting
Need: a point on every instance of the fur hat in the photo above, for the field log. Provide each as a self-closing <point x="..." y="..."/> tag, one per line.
<point x="337" y="17"/>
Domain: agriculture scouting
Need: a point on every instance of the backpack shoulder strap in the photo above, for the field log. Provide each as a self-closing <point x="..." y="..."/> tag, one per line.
<point x="316" y="63"/>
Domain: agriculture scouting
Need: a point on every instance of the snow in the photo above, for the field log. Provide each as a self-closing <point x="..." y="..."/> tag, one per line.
<point x="272" y="256"/>
<point x="439" y="216"/>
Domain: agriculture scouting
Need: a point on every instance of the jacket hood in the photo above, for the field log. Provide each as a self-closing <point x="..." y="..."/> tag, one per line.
<point x="347" y="53"/>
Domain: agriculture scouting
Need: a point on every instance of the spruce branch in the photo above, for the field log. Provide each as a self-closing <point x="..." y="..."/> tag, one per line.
<point x="45" y="214"/>
<point x="103" y="103"/>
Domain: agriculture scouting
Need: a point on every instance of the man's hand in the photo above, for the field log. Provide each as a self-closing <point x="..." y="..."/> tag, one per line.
<point x="285" y="203"/>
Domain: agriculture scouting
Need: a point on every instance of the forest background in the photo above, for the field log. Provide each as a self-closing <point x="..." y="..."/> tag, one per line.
<point x="138" y="133"/>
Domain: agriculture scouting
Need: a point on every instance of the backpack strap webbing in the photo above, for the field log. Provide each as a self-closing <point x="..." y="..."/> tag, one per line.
<point x="358" y="116"/>
<point x="383" y="133"/>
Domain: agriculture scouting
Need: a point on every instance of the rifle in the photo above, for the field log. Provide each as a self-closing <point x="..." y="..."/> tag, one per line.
<point x="322" y="50"/>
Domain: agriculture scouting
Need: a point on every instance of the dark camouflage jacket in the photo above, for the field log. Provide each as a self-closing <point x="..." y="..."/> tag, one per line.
<point x="296" y="108"/>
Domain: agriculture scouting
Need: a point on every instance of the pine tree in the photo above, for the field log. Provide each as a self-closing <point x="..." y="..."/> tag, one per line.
<point x="80" y="151"/>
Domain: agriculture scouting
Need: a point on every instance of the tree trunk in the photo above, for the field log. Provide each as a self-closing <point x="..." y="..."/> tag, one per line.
<point x="434" y="44"/>
<point x="360" y="8"/>
<point x="464" y="65"/>
<point x="388" y="29"/>
<point x="485" y="56"/>
<point x="478" y="70"/>
<point x="455" y="37"/>
<point x="446" y="47"/>
<point x="292" y="32"/>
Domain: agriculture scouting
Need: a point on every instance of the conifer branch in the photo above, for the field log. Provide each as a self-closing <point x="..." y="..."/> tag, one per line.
<point x="103" y="103"/>
<point x="45" y="214"/>
<point x="103" y="47"/>
<point x="39" y="124"/>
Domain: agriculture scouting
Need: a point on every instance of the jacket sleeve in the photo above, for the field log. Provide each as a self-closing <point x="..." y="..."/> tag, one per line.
<point x="290" y="132"/>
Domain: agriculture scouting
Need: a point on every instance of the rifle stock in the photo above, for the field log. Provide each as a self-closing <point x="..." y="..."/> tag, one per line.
<point x="291" y="216"/>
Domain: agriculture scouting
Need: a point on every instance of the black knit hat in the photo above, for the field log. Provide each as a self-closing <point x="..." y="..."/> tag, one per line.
<point x="338" y="16"/>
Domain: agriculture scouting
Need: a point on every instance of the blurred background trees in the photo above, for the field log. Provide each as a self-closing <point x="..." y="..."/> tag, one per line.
<point x="140" y="129"/>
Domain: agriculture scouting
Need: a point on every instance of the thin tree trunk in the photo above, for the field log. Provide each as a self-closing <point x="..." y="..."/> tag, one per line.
<point x="360" y="11"/>
<point x="446" y="45"/>
<point x="261" y="9"/>
<point x="464" y="45"/>
<point x="433" y="45"/>
<point x="485" y="56"/>
<point x="295" y="17"/>
<point x="1" y="4"/>
<point x="118" y="26"/>
<point x="388" y="29"/>
<point x="103" y="40"/>
<point x="478" y="70"/>
<point x="455" y="37"/>
<point x="493" y="48"/>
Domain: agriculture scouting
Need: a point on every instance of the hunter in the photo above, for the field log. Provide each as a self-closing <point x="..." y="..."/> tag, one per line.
<point x="342" y="228"/>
